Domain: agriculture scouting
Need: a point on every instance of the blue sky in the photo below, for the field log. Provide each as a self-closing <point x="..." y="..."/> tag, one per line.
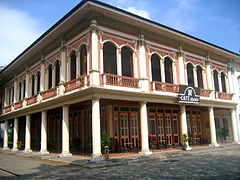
<point x="215" y="21"/>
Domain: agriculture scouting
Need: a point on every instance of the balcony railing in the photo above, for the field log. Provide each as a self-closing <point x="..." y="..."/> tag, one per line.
<point x="224" y="96"/>
<point x="166" y="87"/>
<point x="116" y="80"/>
<point x="31" y="100"/>
<point x="49" y="93"/>
<point x="7" y="109"/>
<point x="18" y="105"/>
<point x="205" y="92"/>
<point x="76" y="83"/>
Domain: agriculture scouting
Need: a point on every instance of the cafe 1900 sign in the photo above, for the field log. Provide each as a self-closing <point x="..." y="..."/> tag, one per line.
<point x="188" y="94"/>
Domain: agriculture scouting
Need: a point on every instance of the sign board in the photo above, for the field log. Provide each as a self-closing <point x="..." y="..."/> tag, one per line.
<point x="189" y="94"/>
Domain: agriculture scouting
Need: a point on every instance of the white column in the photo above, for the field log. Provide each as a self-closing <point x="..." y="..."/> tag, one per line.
<point x="195" y="76"/>
<point x="44" y="133"/>
<point x="65" y="131"/>
<point x="53" y="75"/>
<point x="230" y="81"/>
<point x="119" y="62"/>
<point x="15" y="134"/>
<point x="5" y="96"/>
<point x="15" y="91"/>
<point x="204" y="79"/>
<point x="94" y="72"/>
<point x="209" y="76"/>
<point x="144" y="129"/>
<point x="96" y="135"/>
<point x="212" y="127"/>
<point x="78" y="64"/>
<point x="234" y="126"/>
<point x="42" y="79"/>
<point x="183" y="120"/>
<point x="181" y="67"/>
<point x="135" y="65"/>
<point x="28" y="134"/>
<point x="174" y="72"/>
<point x="68" y="73"/>
<point x="5" y="141"/>
<point x="220" y="82"/>
<point x="63" y="62"/>
<point x="27" y="90"/>
<point x="162" y="70"/>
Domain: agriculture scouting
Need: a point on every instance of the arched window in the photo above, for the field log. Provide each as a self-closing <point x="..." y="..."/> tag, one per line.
<point x="155" y="66"/>
<point x="199" y="76"/>
<point x="127" y="61"/>
<point x="20" y="91"/>
<point x="190" y="75"/>
<point x="168" y="70"/>
<point x="38" y="81"/>
<point x="109" y="58"/>
<point x="57" y="73"/>
<point x="223" y="80"/>
<point x="73" y="65"/>
<point x="215" y="78"/>
<point x="83" y="60"/>
<point x="33" y="85"/>
<point x="24" y="88"/>
<point x="50" y="76"/>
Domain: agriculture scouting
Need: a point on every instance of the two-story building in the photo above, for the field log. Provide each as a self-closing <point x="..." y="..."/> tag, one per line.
<point x="102" y="69"/>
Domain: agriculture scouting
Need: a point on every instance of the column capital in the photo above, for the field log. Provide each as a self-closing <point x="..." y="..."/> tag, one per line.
<point x="93" y="25"/>
<point x="180" y="50"/>
<point x="141" y="40"/>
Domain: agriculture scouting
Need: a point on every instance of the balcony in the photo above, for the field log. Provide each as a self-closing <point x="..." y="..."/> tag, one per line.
<point x="115" y="80"/>
<point x="7" y="109"/>
<point x="224" y="96"/>
<point x="49" y="93"/>
<point x="77" y="83"/>
<point x="18" y="105"/>
<point x="205" y="92"/>
<point x="31" y="100"/>
<point x="165" y="87"/>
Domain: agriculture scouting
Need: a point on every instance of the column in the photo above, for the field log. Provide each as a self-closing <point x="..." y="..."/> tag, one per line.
<point x="142" y="64"/>
<point x="65" y="132"/>
<point x="44" y="133"/>
<point x="230" y="81"/>
<point x="183" y="121"/>
<point x="5" y="141"/>
<point x="195" y="76"/>
<point x="42" y="79"/>
<point x="212" y="127"/>
<point x="63" y="62"/>
<point x="181" y="67"/>
<point x="27" y="84"/>
<point x="219" y="82"/>
<point x="119" y="62"/>
<point x="209" y="75"/>
<point x="96" y="135"/>
<point x="15" y="134"/>
<point x="144" y="129"/>
<point x="204" y="79"/>
<point x="94" y="70"/>
<point x="234" y="126"/>
<point x="78" y="64"/>
<point x="162" y="70"/>
<point x="174" y="70"/>
<point x="135" y="65"/>
<point x="15" y="91"/>
<point x="28" y="134"/>
<point x="5" y="95"/>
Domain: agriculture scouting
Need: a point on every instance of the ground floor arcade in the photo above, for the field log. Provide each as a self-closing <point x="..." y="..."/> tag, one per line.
<point x="130" y="126"/>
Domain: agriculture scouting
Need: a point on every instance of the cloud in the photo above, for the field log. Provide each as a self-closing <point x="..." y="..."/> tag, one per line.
<point x="139" y="12"/>
<point x="18" y="31"/>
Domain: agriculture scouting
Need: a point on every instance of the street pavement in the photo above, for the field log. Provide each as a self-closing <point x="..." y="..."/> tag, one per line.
<point x="200" y="163"/>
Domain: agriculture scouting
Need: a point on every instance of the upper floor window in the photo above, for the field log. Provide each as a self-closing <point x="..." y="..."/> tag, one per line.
<point x="33" y="85"/>
<point x="73" y="61"/>
<point x="24" y="88"/>
<point x="190" y="75"/>
<point x="127" y="61"/>
<point x="50" y="76"/>
<point x="223" y="80"/>
<point x="20" y="91"/>
<point x="83" y="60"/>
<point x="57" y="73"/>
<point x="155" y="66"/>
<point x="168" y="70"/>
<point x="109" y="58"/>
<point x="200" y="76"/>
<point x="38" y="81"/>
<point x="215" y="78"/>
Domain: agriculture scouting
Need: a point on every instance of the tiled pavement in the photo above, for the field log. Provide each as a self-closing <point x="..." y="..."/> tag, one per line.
<point x="200" y="163"/>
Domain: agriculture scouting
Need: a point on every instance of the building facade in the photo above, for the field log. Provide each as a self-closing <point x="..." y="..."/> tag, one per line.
<point x="101" y="69"/>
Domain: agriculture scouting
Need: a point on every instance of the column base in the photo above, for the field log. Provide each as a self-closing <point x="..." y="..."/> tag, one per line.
<point x="5" y="149"/>
<point x="145" y="152"/>
<point x="65" y="154"/>
<point x="27" y="151"/>
<point x="43" y="152"/>
<point x="214" y="145"/>
<point x="187" y="148"/>
<point x="96" y="158"/>
<point x="14" y="149"/>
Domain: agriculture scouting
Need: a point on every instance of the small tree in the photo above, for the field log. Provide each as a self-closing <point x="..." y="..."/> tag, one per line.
<point x="222" y="134"/>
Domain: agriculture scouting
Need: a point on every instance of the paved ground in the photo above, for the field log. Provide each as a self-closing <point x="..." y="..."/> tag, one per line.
<point x="202" y="163"/>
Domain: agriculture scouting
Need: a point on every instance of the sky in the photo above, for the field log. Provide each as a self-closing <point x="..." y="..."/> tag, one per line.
<point x="215" y="21"/>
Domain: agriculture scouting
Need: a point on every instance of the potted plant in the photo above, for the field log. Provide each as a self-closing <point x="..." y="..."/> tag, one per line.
<point x="19" y="145"/>
<point x="186" y="139"/>
<point x="105" y="143"/>
<point x="222" y="134"/>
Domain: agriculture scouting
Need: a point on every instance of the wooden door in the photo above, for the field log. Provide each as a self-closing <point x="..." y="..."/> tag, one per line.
<point x="168" y="128"/>
<point x="124" y="130"/>
<point x="175" y="128"/>
<point x="160" y="128"/>
<point x="134" y="129"/>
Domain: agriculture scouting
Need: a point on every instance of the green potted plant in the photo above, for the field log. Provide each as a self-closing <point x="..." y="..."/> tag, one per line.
<point x="105" y="143"/>
<point x="19" y="145"/>
<point x="222" y="134"/>
<point x="186" y="138"/>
